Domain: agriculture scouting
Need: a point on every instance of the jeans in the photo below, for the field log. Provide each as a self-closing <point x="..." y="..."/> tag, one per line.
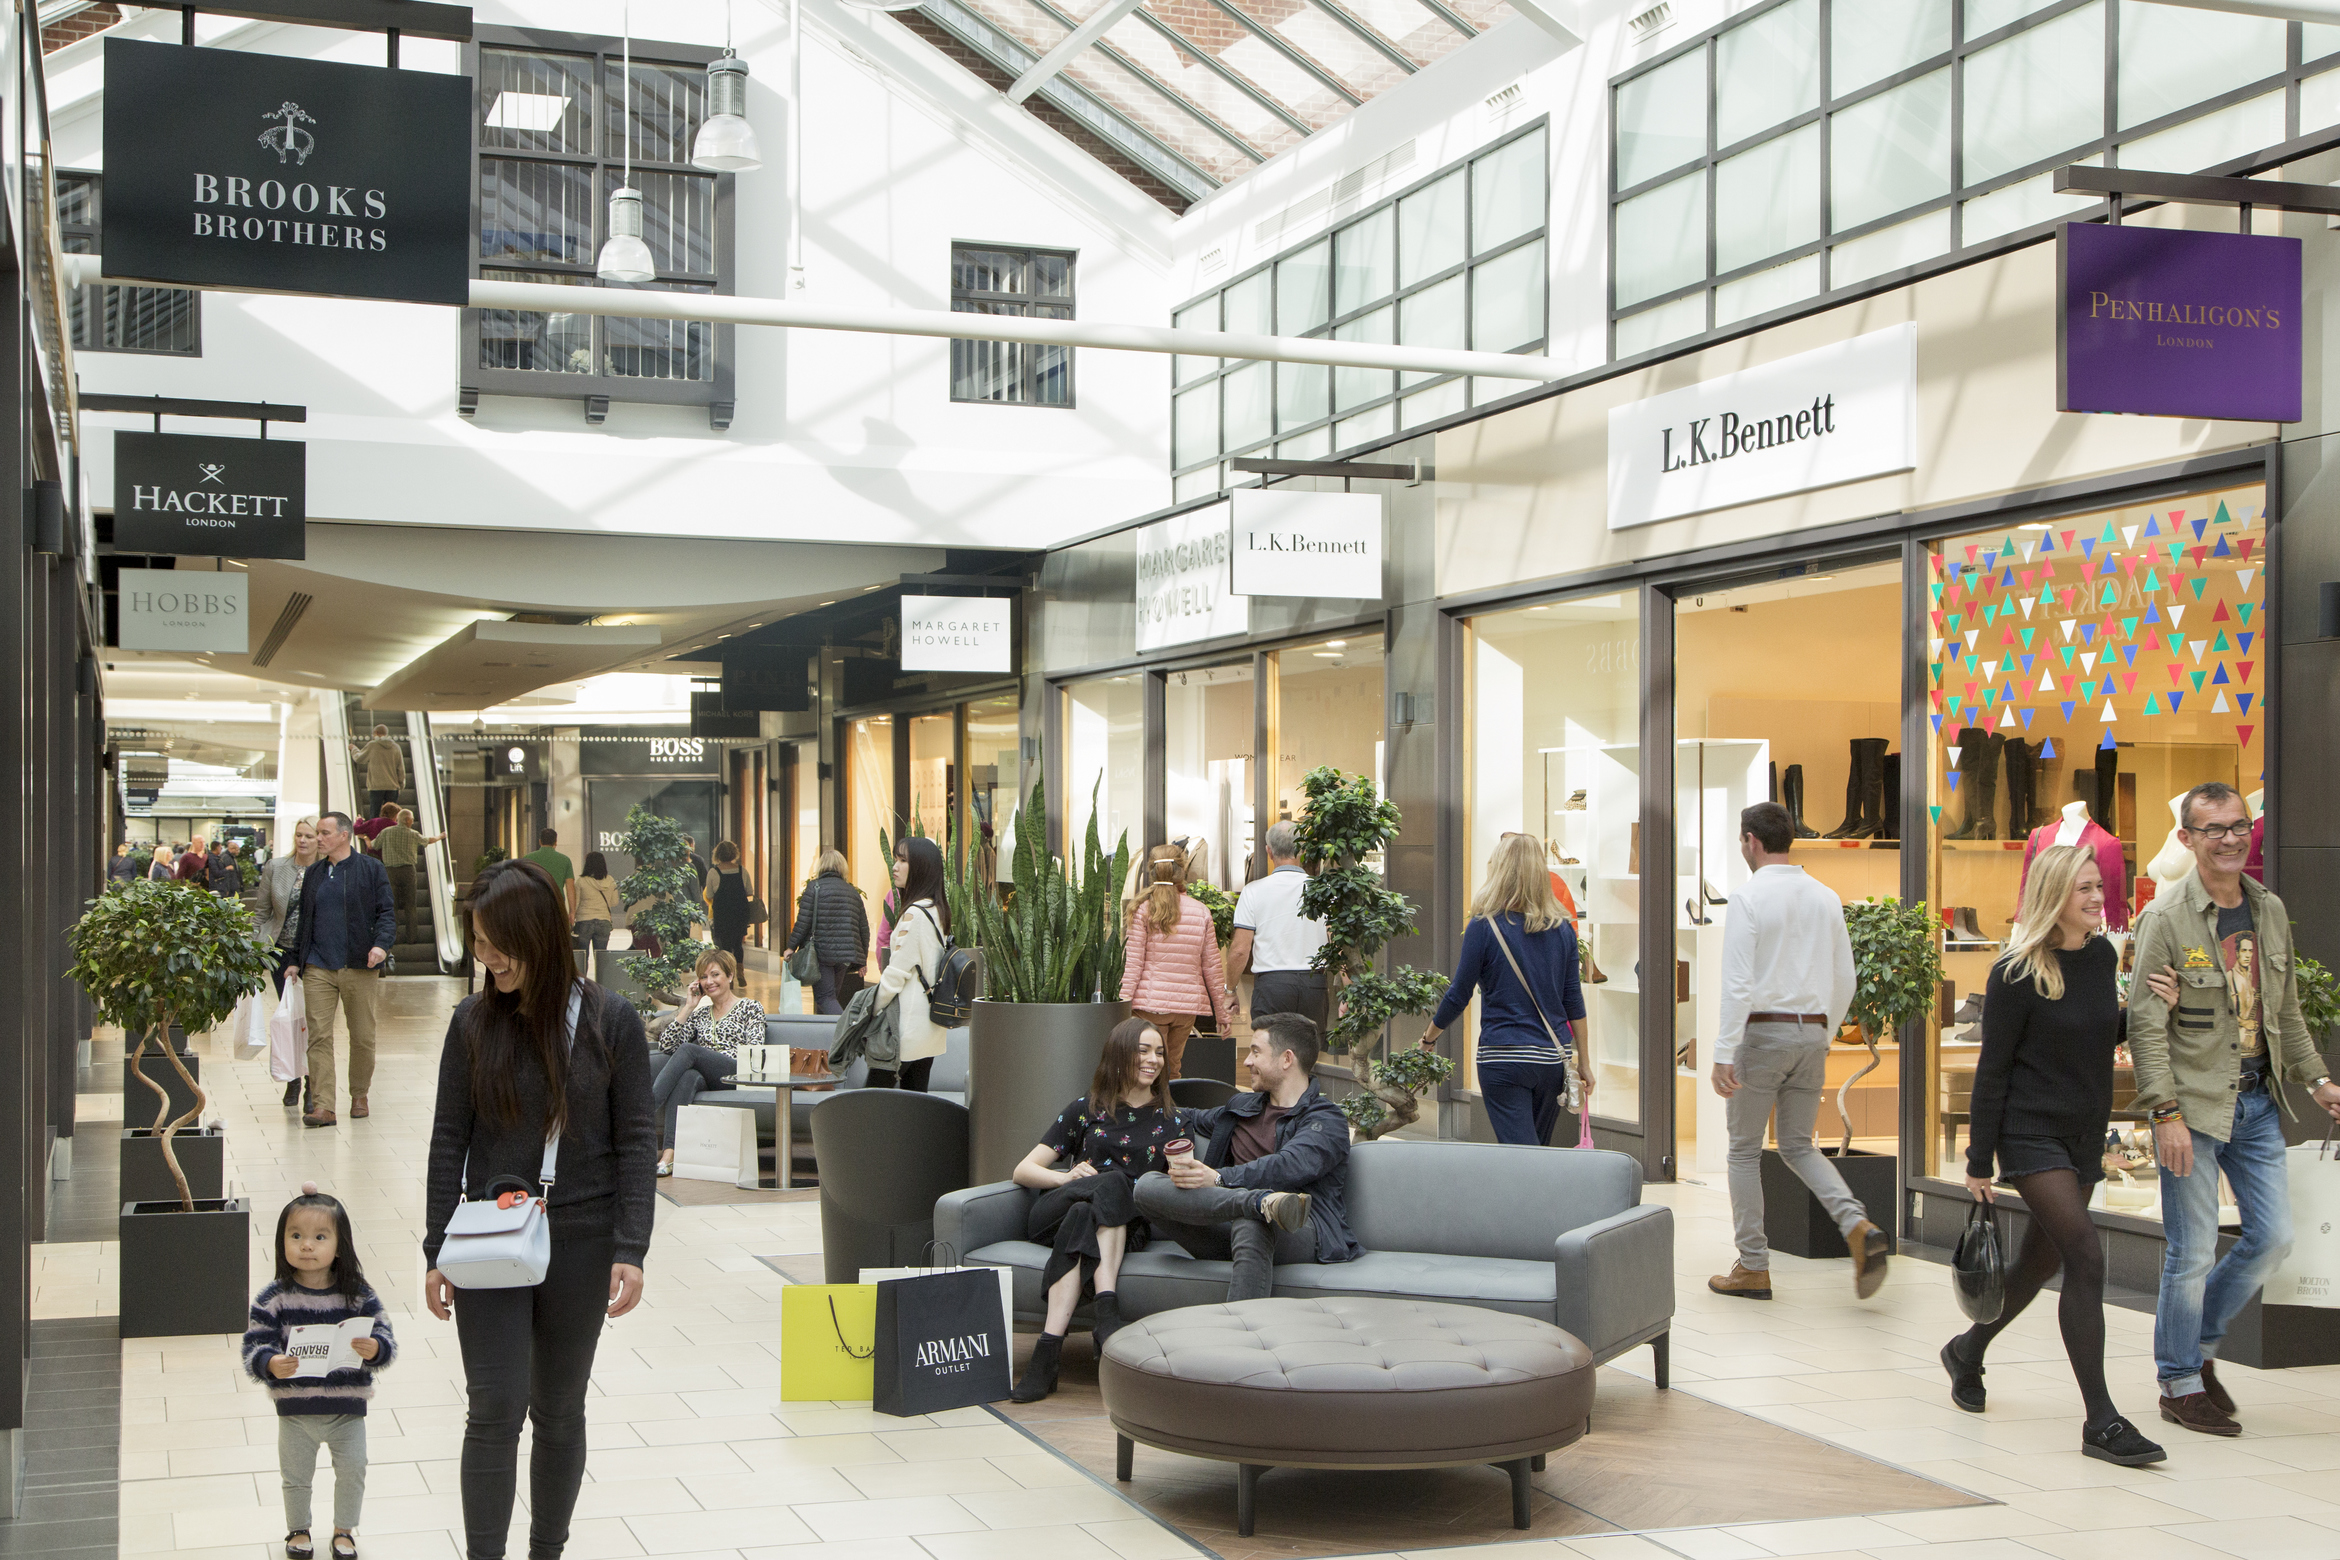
<point x="297" y="1438"/>
<point x="1222" y="1224"/>
<point x="1782" y="1065"/>
<point x="357" y="992"/>
<point x="826" y="985"/>
<point x="1522" y="1099"/>
<point x="679" y="1078"/>
<point x="1288" y="991"/>
<point x="2199" y="1298"/>
<point x="528" y="1356"/>
<point x="590" y="934"/>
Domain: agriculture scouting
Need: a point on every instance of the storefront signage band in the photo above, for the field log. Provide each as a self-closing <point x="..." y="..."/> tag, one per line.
<point x="200" y="495"/>
<point x="958" y="634"/>
<point x="1836" y="414"/>
<point x="184" y="609"/>
<point x="2162" y="322"/>
<point x="1306" y="544"/>
<point x="226" y="168"/>
<point x="1183" y="592"/>
<point x="646" y="750"/>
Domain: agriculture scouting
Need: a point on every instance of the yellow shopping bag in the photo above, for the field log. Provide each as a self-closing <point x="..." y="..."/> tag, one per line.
<point x="828" y="1338"/>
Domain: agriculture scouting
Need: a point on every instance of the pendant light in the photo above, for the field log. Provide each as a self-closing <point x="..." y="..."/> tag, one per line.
<point x="624" y="257"/>
<point x="726" y="143"/>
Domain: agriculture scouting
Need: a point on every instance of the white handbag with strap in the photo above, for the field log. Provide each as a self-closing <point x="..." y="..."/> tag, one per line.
<point x="505" y="1242"/>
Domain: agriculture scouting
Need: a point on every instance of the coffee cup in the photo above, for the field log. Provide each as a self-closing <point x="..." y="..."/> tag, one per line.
<point x="1179" y="1151"/>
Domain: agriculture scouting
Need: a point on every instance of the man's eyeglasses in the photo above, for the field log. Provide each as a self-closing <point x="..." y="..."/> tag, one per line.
<point x="2221" y="831"/>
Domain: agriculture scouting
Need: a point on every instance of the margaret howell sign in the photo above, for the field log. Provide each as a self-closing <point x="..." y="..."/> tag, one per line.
<point x="203" y="496"/>
<point x="226" y="168"/>
<point x="2163" y="322"/>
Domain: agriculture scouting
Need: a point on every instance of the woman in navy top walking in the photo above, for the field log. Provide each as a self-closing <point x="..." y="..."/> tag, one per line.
<point x="1527" y="1034"/>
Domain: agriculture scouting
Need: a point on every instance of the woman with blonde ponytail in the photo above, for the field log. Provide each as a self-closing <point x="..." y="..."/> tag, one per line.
<point x="1172" y="970"/>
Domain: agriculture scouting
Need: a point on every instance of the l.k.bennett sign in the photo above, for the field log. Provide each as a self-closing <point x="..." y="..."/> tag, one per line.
<point x="2168" y="323"/>
<point x="1835" y="414"/>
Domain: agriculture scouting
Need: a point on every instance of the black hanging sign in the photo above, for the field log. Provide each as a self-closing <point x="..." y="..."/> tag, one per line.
<point x="258" y="171"/>
<point x="205" y="496"/>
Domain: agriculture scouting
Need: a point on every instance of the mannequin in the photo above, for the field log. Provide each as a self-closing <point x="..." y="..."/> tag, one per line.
<point x="2076" y="827"/>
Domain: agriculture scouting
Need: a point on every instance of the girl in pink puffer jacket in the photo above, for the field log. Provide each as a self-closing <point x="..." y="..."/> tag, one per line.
<point x="1172" y="970"/>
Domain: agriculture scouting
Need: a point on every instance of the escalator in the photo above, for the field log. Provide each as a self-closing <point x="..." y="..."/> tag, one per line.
<point x="427" y="941"/>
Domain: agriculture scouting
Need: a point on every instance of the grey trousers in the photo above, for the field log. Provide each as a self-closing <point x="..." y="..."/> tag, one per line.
<point x="1222" y="1224"/>
<point x="297" y="1438"/>
<point x="1782" y="1067"/>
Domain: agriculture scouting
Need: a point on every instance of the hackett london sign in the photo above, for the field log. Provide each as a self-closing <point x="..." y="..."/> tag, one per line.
<point x="1306" y="544"/>
<point x="1836" y="414"/>
<point x="184" y="609"/>
<point x="957" y="634"/>
<point x="1183" y="592"/>
<point x="231" y="169"/>
<point x="2166" y="323"/>
<point x="199" y="495"/>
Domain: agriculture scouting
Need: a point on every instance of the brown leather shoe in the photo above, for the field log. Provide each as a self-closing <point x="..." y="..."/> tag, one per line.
<point x="1869" y="1248"/>
<point x="358" y="1106"/>
<point x="2219" y="1397"/>
<point x="320" y="1118"/>
<point x="1745" y="1282"/>
<point x="2196" y="1412"/>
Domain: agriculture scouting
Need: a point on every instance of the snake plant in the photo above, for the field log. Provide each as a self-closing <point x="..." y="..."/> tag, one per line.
<point x="1055" y="936"/>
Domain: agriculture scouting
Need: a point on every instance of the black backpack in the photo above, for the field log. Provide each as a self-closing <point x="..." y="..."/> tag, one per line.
<point x="958" y="980"/>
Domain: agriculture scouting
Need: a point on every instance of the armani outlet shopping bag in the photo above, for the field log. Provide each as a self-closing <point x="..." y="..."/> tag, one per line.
<point x="2310" y="1275"/>
<point x="942" y="1342"/>
<point x="827" y="1342"/>
<point x="1978" y="1268"/>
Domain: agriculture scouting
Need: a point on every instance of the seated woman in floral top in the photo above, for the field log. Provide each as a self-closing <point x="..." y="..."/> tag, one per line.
<point x="1086" y="1211"/>
<point x="700" y="1041"/>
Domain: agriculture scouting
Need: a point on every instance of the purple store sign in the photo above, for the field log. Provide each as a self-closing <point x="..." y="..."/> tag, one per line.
<point x="2166" y="323"/>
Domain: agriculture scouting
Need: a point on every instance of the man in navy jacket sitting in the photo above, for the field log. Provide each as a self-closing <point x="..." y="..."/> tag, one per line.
<point x="1269" y="1178"/>
<point x="348" y="922"/>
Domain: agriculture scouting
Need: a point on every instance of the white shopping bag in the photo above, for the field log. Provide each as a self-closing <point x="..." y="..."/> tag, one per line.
<point x="716" y="1143"/>
<point x="1007" y="1276"/>
<point x="288" y="1033"/>
<point x="2311" y="1274"/>
<point x="248" y="1028"/>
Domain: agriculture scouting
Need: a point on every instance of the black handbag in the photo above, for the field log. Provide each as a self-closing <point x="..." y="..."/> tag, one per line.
<point x="1978" y="1268"/>
<point x="942" y="1343"/>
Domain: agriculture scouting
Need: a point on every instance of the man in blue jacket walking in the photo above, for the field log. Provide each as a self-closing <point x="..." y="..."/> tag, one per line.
<point x="348" y="922"/>
<point x="1269" y="1178"/>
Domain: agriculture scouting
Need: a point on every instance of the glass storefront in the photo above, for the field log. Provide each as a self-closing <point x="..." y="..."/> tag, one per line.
<point x="1326" y="708"/>
<point x="869" y="807"/>
<point x="1210" y="721"/>
<point x="1103" y="763"/>
<point x="933" y="774"/>
<point x="994" y="781"/>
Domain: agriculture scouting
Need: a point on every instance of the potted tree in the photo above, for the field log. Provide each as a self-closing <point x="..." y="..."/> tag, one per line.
<point x="1897" y="980"/>
<point x="153" y="954"/>
<point x="1344" y="823"/>
<point x="662" y="875"/>
<point x="1052" y="952"/>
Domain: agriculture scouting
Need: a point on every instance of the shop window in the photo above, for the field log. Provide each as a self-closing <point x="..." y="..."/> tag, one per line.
<point x="551" y="141"/>
<point x="106" y="318"/>
<point x="934" y="776"/>
<point x="1554" y="710"/>
<point x="1025" y="283"/>
<point x="869" y="807"/>
<point x="2083" y="674"/>
<point x="1210" y="719"/>
<point x="994" y="783"/>
<point x="1103" y="762"/>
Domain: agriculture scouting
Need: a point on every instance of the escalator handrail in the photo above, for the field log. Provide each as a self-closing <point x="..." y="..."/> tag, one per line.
<point x="431" y="813"/>
<point x="340" y="764"/>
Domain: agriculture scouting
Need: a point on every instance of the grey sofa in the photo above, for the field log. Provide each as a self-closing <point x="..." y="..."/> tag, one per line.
<point x="1557" y="1234"/>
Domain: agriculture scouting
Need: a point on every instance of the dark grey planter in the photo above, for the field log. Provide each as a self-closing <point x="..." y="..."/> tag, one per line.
<point x="185" y="1272"/>
<point x="1026" y="1061"/>
<point x="178" y="1038"/>
<point x="1794" y="1221"/>
<point x="138" y="1099"/>
<point x="202" y="1155"/>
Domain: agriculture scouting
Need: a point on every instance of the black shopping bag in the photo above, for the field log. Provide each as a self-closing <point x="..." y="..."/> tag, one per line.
<point x="942" y="1342"/>
<point x="1978" y="1268"/>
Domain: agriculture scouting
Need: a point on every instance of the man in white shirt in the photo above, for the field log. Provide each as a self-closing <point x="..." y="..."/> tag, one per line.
<point x="1787" y="982"/>
<point x="1274" y="940"/>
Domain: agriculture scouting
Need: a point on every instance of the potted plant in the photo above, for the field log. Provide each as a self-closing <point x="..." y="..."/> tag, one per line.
<point x="150" y="955"/>
<point x="662" y="875"/>
<point x="1052" y="952"/>
<point x="1897" y="980"/>
<point x="1345" y="822"/>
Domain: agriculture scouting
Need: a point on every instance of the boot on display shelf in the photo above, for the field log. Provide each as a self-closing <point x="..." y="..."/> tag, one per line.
<point x="2022" y="760"/>
<point x="1978" y="776"/>
<point x="1772" y="795"/>
<point x="1889" y="818"/>
<point x="1792" y="798"/>
<point x="1969" y="1011"/>
<point x="1864" y="788"/>
<point x="1965" y="932"/>
<point x="2106" y="808"/>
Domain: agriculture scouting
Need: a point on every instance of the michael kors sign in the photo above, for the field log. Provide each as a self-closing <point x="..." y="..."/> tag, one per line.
<point x="226" y="168"/>
<point x="203" y="496"/>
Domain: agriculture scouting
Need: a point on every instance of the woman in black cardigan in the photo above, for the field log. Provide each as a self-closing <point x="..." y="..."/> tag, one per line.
<point x="510" y="1075"/>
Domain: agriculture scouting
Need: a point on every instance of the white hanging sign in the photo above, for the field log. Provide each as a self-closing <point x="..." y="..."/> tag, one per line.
<point x="958" y="634"/>
<point x="1835" y="414"/>
<point x="1182" y="586"/>
<point x="184" y="609"/>
<point x="1307" y="544"/>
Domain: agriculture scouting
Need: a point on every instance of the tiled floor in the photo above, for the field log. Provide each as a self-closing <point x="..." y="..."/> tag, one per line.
<point x="693" y="1455"/>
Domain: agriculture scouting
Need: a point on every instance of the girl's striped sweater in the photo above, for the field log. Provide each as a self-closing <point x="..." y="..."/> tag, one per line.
<point x="279" y="1308"/>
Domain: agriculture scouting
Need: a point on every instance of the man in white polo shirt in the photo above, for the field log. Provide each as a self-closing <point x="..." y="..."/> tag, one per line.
<point x="1274" y="940"/>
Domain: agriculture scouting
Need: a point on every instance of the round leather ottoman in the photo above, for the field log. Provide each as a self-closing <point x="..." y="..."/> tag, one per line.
<point x="1346" y="1383"/>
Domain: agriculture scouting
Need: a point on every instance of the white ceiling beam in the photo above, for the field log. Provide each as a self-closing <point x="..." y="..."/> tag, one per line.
<point x="2281" y="10"/>
<point x="1558" y="18"/>
<point x="1058" y="58"/>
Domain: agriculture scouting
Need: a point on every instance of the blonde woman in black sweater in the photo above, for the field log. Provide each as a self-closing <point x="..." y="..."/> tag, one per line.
<point x="2042" y="1099"/>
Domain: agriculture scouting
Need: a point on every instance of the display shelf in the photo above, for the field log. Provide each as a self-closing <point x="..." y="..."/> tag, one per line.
<point x="1983" y="847"/>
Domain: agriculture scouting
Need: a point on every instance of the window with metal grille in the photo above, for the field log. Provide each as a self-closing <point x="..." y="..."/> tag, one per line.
<point x="1033" y="283"/>
<point x="120" y="319"/>
<point x="549" y="147"/>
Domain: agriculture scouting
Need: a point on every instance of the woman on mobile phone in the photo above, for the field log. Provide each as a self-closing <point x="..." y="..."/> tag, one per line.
<point x="702" y="1044"/>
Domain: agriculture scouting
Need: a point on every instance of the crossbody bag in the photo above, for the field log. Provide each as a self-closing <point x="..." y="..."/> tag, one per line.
<point x="504" y="1241"/>
<point x="1566" y="1050"/>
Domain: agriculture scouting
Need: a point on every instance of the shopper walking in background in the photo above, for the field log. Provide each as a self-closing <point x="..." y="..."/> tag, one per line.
<point x="702" y="1045"/>
<point x="222" y="873"/>
<point x="347" y="927"/>
<point x="279" y="911"/>
<point x="194" y="862"/>
<point x="123" y="867"/>
<point x="385" y="770"/>
<point x="165" y="864"/>
<point x="538" y="1052"/>
<point x="916" y="961"/>
<point x="2213" y="1031"/>
<point x="1274" y="940"/>
<point x="556" y="865"/>
<point x="1787" y="982"/>
<point x="400" y="846"/>
<point x="370" y="830"/>
<point x="597" y="902"/>
<point x="726" y="892"/>
<point x="1519" y="957"/>
<point x="1173" y="971"/>
<point x="831" y="916"/>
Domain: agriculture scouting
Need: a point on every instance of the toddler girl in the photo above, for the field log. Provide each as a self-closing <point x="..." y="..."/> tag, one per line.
<point x="318" y="1285"/>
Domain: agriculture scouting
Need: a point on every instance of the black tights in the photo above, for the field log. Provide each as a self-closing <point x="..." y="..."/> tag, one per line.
<point x="2060" y="1235"/>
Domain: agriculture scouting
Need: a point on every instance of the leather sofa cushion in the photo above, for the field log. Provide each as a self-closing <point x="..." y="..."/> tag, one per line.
<point x="1403" y="1196"/>
<point x="1526" y="1288"/>
<point x="1341" y="1382"/>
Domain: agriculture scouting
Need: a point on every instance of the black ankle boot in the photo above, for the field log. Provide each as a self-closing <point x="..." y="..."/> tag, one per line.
<point x="1109" y="1319"/>
<point x="1040" y="1375"/>
<point x="1792" y="798"/>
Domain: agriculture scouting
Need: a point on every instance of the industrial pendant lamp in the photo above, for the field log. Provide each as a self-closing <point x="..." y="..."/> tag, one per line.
<point x="624" y="257"/>
<point x="726" y="143"/>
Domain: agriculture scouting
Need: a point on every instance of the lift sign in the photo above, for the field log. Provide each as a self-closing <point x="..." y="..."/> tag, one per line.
<point x="200" y="495"/>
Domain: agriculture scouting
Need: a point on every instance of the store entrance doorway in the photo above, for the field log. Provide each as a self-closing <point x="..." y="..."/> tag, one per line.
<point x="1788" y="688"/>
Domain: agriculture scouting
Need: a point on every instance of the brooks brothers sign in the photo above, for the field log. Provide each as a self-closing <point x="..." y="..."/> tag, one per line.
<point x="2169" y="323"/>
<point x="204" y="496"/>
<point x="232" y="169"/>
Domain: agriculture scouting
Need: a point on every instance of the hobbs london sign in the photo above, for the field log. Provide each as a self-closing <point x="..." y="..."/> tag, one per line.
<point x="957" y="633"/>
<point x="1836" y="414"/>
<point x="2168" y="323"/>
<point x="195" y="494"/>
<point x="231" y="169"/>
<point x="1307" y="544"/>
<point x="184" y="609"/>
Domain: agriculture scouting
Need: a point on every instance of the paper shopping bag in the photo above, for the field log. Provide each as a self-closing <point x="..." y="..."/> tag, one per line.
<point x="942" y="1342"/>
<point x="828" y="1336"/>
<point x="2310" y="1275"/>
<point x="288" y="1033"/>
<point x="249" y="1026"/>
<point x="1006" y="1277"/>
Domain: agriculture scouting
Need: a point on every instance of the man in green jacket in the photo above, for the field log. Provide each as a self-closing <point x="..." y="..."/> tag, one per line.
<point x="2214" y="1030"/>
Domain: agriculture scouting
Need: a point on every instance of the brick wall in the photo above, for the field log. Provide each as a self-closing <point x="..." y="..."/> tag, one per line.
<point x="79" y="25"/>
